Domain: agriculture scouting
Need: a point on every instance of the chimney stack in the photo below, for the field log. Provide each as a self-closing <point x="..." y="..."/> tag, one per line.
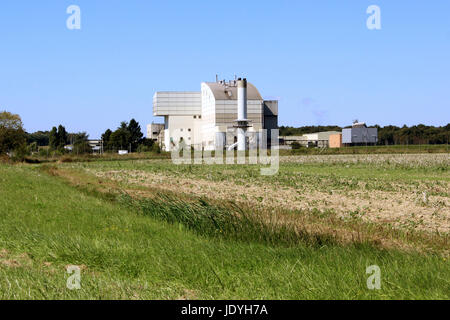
<point x="242" y="121"/>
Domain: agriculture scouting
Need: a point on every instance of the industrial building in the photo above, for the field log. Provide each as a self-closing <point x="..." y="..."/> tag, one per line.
<point x="359" y="134"/>
<point x="310" y="140"/>
<point x="154" y="131"/>
<point x="222" y="114"/>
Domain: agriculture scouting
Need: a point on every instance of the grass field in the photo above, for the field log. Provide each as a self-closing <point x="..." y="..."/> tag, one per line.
<point x="147" y="229"/>
<point x="393" y="149"/>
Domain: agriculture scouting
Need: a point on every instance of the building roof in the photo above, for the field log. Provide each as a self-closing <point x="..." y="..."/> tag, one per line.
<point x="359" y="125"/>
<point x="228" y="90"/>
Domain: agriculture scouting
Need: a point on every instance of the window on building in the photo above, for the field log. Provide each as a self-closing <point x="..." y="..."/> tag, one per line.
<point x="195" y="117"/>
<point x="189" y="130"/>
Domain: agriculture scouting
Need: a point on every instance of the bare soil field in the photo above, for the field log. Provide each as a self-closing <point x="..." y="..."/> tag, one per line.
<point x="402" y="191"/>
<point x="395" y="208"/>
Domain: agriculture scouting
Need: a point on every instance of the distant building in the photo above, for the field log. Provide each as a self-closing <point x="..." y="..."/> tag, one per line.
<point x="96" y="145"/>
<point x="359" y="134"/>
<point x="335" y="140"/>
<point x="319" y="139"/>
<point x="207" y="119"/>
<point x="310" y="140"/>
<point x="154" y="131"/>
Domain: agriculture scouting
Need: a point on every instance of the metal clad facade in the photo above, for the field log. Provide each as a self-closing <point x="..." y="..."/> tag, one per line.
<point x="346" y="135"/>
<point x="359" y="135"/>
<point x="177" y="103"/>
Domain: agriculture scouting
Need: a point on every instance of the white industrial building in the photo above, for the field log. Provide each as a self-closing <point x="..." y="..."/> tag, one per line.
<point x="209" y="119"/>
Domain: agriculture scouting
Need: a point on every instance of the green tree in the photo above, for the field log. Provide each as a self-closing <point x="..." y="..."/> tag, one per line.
<point x="81" y="143"/>
<point x="146" y="145"/>
<point x="62" y="137"/>
<point x="135" y="134"/>
<point x="106" y="137"/>
<point x="41" y="138"/>
<point x="58" y="138"/>
<point x="53" y="139"/>
<point x="120" y="139"/>
<point x="12" y="135"/>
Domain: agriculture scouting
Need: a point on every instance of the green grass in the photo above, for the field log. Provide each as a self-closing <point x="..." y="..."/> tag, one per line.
<point x="323" y="176"/>
<point x="135" y="253"/>
<point x="394" y="149"/>
<point x="228" y="221"/>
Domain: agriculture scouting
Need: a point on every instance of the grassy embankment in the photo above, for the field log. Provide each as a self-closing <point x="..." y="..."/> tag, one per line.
<point x="160" y="248"/>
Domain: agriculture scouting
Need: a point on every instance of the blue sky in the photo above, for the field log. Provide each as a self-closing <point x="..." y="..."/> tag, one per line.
<point x="317" y="57"/>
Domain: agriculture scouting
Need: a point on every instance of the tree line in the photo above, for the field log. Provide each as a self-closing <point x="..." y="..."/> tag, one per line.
<point x="18" y="143"/>
<point x="387" y="135"/>
<point x="128" y="136"/>
<point x="62" y="141"/>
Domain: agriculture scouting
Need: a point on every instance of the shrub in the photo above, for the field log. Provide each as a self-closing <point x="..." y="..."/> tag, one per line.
<point x="19" y="154"/>
<point x="156" y="148"/>
<point x="296" y="145"/>
<point x="43" y="152"/>
<point x="66" y="159"/>
<point x="144" y="148"/>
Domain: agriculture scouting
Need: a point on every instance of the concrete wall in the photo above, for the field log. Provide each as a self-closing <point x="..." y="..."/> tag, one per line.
<point x="153" y="130"/>
<point x="180" y="127"/>
<point x="270" y="117"/>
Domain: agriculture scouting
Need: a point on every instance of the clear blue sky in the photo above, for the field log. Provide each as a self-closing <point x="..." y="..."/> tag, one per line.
<point x="317" y="57"/>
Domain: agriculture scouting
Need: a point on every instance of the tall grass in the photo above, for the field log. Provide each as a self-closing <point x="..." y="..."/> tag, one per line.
<point x="47" y="224"/>
<point x="228" y="221"/>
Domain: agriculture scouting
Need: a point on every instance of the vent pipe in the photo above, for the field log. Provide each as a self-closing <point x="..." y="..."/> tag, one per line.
<point x="242" y="121"/>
